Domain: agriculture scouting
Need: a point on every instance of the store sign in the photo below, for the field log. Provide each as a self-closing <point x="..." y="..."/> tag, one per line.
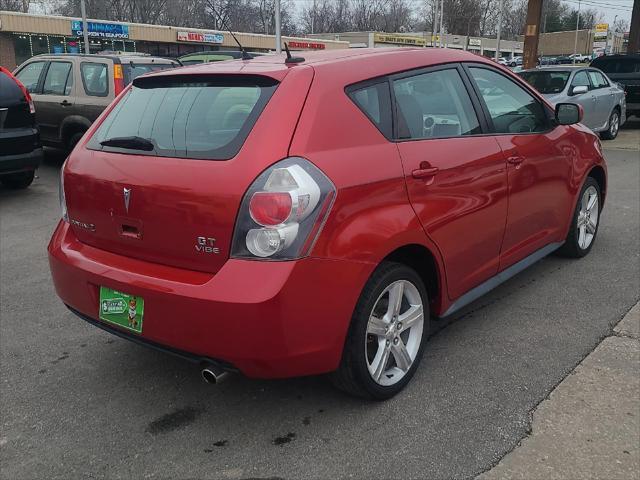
<point x="100" y="30"/>
<point x="600" y="36"/>
<point x="399" y="39"/>
<point x="599" y="44"/>
<point x="307" y="45"/>
<point x="602" y="27"/>
<point x="200" y="37"/>
<point x="475" y="42"/>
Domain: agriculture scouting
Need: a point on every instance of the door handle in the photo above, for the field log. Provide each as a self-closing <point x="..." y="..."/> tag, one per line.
<point x="424" y="172"/>
<point x="64" y="103"/>
<point x="515" y="160"/>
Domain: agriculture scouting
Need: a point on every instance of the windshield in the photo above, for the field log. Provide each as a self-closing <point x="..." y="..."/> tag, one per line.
<point x="185" y="116"/>
<point x="547" y="82"/>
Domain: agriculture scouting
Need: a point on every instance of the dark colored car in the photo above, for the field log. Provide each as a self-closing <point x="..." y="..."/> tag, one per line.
<point x="71" y="90"/>
<point x="625" y="70"/>
<point x="282" y="219"/>
<point x="20" y="149"/>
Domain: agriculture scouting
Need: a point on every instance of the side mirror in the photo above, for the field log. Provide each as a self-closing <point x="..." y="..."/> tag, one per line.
<point x="579" y="89"/>
<point x="568" y="113"/>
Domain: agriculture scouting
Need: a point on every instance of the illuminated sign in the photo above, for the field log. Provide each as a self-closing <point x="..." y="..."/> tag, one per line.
<point x="399" y="39"/>
<point x="200" y="37"/>
<point x="100" y="30"/>
<point x="307" y="45"/>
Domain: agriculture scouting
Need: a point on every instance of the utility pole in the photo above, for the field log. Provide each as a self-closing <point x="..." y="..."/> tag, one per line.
<point x="278" y="32"/>
<point x="434" y="27"/>
<point x="313" y="18"/>
<point x="501" y="7"/>
<point x="532" y="34"/>
<point x="575" y="43"/>
<point x="85" y="28"/>
<point x="634" y="31"/>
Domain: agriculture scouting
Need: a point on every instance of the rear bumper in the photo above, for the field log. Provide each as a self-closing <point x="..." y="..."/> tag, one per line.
<point x="266" y="319"/>
<point x="21" y="161"/>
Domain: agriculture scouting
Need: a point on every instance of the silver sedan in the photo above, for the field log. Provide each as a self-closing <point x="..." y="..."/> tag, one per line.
<point x="603" y="101"/>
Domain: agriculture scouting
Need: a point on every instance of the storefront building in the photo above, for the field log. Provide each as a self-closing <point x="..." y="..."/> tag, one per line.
<point x="23" y="36"/>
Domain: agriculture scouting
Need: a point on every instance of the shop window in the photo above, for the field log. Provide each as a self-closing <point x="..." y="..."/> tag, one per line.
<point x="22" y="48"/>
<point x="40" y="44"/>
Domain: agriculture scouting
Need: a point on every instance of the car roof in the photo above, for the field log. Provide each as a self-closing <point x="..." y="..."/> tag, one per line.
<point x="122" y="58"/>
<point x="378" y="61"/>
<point x="557" y="68"/>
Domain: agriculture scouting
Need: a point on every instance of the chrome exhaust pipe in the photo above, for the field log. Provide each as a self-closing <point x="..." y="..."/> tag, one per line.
<point x="213" y="374"/>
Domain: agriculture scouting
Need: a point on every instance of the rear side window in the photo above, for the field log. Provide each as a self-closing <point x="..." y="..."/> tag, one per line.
<point x="94" y="79"/>
<point x="29" y="75"/>
<point x="59" y="79"/>
<point x="186" y="116"/>
<point x="131" y="71"/>
<point x="434" y="105"/>
<point x="375" y="102"/>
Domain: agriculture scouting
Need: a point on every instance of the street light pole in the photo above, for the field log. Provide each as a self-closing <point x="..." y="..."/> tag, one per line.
<point x="278" y="33"/>
<point x="441" y="29"/>
<point x="499" y="31"/>
<point x="575" y="43"/>
<point x="85" y="29"/>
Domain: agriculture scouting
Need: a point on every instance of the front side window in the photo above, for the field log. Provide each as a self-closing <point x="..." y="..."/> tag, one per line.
<point x="434" y="105"/>
<point x="185" y="116"/>
<point x="59" y="79"/>
<point x="30" y="75"/>
<point x="581" y="79"/>
<point x="511" y="108"/>
<point x="94" y="79"/>
<point x="597" y="79"/>
<point x="375" y="102"/>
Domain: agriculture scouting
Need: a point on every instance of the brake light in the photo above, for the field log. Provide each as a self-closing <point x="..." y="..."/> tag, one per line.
<point x="118" y="79"/>
<point x="25" y="92"/>
<point x="283" y="211"/>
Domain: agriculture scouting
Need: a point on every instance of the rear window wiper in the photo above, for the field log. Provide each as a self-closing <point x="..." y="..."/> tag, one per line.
<point x="132" y="143"/>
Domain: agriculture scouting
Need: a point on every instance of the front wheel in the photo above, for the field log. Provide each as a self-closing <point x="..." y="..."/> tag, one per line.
<point x="614" y="126"/>
<point x="584" y="225"/>
<point x="388" y="332"/>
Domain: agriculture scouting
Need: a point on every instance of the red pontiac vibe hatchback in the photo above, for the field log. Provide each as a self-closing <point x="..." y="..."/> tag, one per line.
<point x="284" y="218"/>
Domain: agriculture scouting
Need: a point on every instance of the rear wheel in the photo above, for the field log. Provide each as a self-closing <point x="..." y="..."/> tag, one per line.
<point x="18" y="180"/>
<point x="388" y="332"/>
<point x="614" y="126"/>
<point x="584" y="225"/>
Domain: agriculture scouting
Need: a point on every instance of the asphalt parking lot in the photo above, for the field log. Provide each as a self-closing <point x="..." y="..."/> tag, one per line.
<point x="77" y="401"/>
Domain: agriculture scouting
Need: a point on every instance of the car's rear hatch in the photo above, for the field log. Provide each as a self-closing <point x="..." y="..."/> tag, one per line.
<point x="17" y="123"/>
<point x="213" y="131"/>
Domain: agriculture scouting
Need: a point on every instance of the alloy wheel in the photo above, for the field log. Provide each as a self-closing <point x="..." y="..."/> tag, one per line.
<point x="588" y="217"/>
<point x="614" y="124"/>
<point x="394" y="332"/>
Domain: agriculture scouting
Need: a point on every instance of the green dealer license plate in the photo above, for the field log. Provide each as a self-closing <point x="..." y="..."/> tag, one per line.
<point x="121" y="309"/>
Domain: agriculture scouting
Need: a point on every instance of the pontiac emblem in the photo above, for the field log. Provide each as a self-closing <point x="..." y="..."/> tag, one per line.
<point x="127" y="196"/>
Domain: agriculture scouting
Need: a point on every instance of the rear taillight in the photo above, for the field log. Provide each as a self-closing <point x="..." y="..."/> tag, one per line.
<point x="283" y="211"/>
<point x="61" y="196"/>
<point x="25" y="92"/>
<point x="118" y="79"/>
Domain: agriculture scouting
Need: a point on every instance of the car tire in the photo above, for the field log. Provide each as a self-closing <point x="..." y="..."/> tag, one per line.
<point x="73" y="140"/>
<point x="582" y="236"/>
<point x="391" y="339"/>
<point x="614" y="126"/>
<point x="18" y="180"/>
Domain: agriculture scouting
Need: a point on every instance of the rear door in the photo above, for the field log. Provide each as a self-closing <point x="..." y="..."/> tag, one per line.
<point x="96" y="89"/>
<point x="540" y="198"/>
<point x="211" y="136"/>
<point x="456" y="176"/>
<point x="56" y="100"/>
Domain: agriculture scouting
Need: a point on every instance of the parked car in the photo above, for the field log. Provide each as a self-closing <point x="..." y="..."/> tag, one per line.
<point x="625" y="70"/>
<point x="547" y="61"/>
<point x="563" y="60"/>
<point x="580" y="58"/>
<point x="213" y="56"/>
<point x="603" y="101"/>
<point x="503" y="61"/>
<point x="515" y="61"/>
<point x="20" y="149"/>
<point x="71" y="90"/>
<point x="281" y="218"/>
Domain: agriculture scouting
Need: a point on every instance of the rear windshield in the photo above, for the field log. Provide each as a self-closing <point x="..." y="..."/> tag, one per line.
<point x="546" y="82"/>
<point x="617" y="65"/>
<point x="186" y="116"/>
<point x="131" y="71"/>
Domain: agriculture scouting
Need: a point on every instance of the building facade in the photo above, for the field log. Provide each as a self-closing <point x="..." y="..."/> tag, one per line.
<point x="24" y="35"/>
